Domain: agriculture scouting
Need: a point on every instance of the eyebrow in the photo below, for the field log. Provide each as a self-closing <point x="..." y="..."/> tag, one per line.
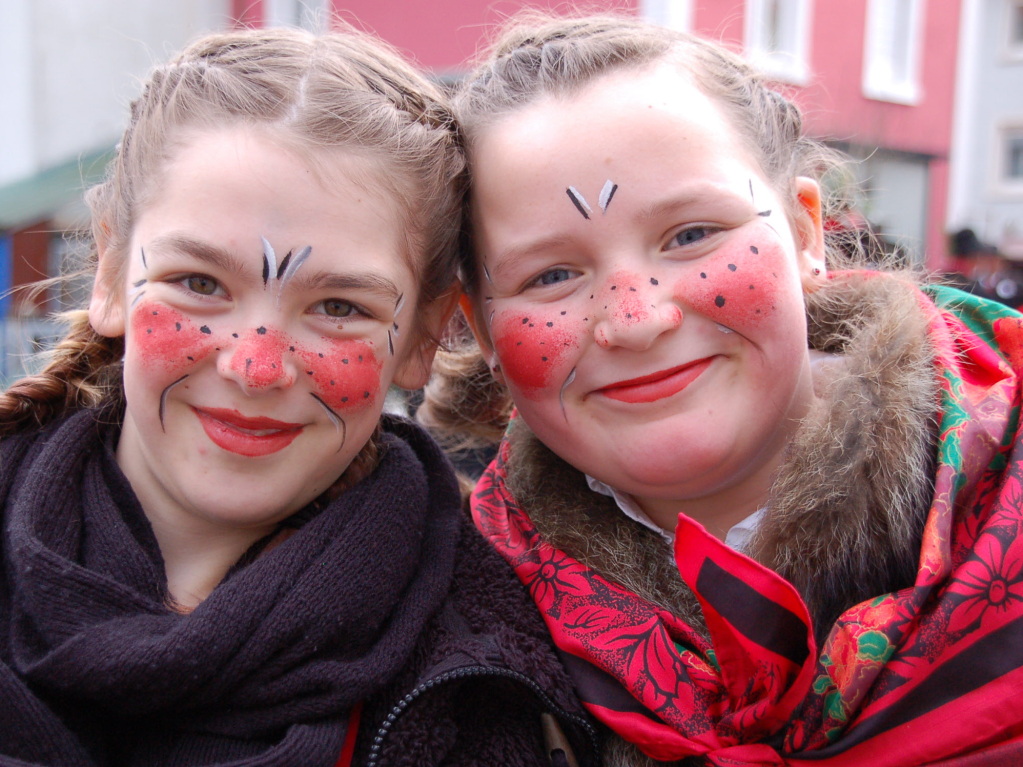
<point x="204" y="251"/>
<point x="370" y="283"/>
<point x="321" y="280"/>
<point x="503" y="259"/>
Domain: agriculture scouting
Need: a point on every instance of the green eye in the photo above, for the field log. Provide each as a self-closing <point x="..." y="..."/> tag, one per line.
<point x="204" y="286"/>
<point x="337" y="308"/>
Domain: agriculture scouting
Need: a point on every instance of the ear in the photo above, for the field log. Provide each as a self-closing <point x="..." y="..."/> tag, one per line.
<point x="106" y="304"/>
<point x="482" y="337"/>
<point x="808" y="230"/>
<point x="414" y="370"/>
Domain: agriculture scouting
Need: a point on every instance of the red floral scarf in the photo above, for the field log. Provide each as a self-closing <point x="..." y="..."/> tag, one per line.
<point x="929" y="673"/>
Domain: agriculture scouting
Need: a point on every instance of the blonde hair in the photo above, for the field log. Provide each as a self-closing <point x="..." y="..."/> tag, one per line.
<point x="540" y="55"/>
<point x="340" y="90"/>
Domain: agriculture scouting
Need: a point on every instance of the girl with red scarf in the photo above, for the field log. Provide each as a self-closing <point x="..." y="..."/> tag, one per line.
<point x="768" y="504"/>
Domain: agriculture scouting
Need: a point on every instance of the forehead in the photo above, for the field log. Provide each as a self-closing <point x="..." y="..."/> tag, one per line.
<point x="651" y="131"/>
<point x="236" y="185"/>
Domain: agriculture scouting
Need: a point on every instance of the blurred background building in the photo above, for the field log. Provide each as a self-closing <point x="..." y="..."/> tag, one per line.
<point x="925" y="95"/>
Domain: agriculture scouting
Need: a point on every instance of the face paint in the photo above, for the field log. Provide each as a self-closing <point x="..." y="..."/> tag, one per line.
<point x="737" y="287"/>
<point x="606" y="193"/>
<point x="346" y="373"/>
<point x="531" y="349"/>
<point x="579" y="201"/>
<point x="166" y="338"/>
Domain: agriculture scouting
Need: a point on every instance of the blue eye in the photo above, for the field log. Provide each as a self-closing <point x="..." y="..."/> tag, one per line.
<point x="554" y="276"/>
<point x="689" y="236"/>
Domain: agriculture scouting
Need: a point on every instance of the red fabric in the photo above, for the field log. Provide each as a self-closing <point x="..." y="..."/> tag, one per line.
<point x="930" y="673"/>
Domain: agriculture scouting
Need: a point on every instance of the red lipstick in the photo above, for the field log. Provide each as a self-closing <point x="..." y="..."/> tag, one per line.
<point x="244" y="435"/>
<point x="655" y="386"/>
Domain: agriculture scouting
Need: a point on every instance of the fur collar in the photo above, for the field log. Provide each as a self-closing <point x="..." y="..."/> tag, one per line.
<point x="848" y="506"/>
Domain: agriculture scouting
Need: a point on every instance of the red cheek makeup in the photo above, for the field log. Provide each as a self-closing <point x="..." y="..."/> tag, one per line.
<point x="531" y="348"/>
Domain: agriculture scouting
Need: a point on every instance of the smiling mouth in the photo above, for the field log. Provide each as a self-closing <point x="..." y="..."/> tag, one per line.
<point x="656" y="386"/>
<point x="246" y="436"/>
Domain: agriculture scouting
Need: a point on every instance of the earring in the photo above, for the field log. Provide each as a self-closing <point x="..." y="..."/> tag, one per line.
<point x="816" y="271"/>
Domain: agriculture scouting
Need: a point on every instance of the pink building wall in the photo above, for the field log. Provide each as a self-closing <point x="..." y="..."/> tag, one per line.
<point x="443" y="35"/>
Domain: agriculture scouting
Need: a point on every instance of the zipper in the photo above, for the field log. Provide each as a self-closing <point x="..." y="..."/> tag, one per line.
<point x="469" y="671"/>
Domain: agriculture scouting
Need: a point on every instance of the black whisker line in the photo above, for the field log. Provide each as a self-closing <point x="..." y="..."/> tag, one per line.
<point x="336" y="419"/>
<point x="163" y="399"/>
<point x="143" y="252"/>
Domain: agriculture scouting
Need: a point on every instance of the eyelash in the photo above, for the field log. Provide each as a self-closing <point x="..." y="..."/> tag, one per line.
<point x="354" y="310"/>
<point x="537" y="282"/>
<point x="186" y="284"/>
<point x="706" y="229"/>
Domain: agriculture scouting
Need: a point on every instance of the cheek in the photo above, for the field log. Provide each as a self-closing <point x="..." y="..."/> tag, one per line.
<point x="738" y="287"/>
<point x="346" y="374"/>
<point x="535" y="349"/>
<point x="164" y="338"/>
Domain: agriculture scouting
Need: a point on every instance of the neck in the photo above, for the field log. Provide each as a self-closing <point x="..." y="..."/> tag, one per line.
<point x="722" y="510"/>
<point x="196" y="561"/>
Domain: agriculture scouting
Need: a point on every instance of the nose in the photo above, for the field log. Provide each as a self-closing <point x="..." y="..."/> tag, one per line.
<point x="634" y="313"/>
<point x="259" y="359"/>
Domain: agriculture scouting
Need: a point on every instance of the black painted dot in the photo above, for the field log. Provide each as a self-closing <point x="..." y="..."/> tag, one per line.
<point x="291" y="348"/>
<point x="205" y="329"/>
<point x="628" y="315"/>
<point x="614" y="287"/>
<point x="360" y="358"/>
<point x="331" y="383"/>
<point x="344" y="399"/>
<point x="591" y="297"/>
<point x="732" y="267"/>
<point x="525" y="320"/>
<point x="632" y="290"/>
<point x="261" y="330"/>
<point x="518" y="343"/>
<point x="532" y="325"/>
<point x="177" y="326"/>
<point x="563" y="314"/>
<point x="544" y="359"/>
<point x="654" y="282"/>
<point x="365" y="395"/>
<point x="751" y="287"/>
<point x="719" y="301"/>
<point x="703" y="275"/>
<point x="235" y="335"/>
<point x="753" y="249"/>
<point x="321" y="354"/>
<point x="155" y="313"/>
<point x="149" y="330"/>
<point x="273" y="365"/>
<point x="308" y="372"/>
<point x="550" y="324"/>
<point x="192" y="359"/>
<point x="344" y="362"/>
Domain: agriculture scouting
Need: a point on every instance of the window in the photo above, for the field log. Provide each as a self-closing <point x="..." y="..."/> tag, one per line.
<point x="673" y="14"/>
<point x="891" y="58"/>
<point x="777" y="38"/>
<point x="1012" y="41"/>
<point x="1010" y="158"/>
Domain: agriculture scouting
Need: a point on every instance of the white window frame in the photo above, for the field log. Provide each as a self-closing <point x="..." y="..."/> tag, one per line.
<point x="1004" y="133"/>
<point x="789" y="63"/>
<point x="1012" y="46"/>
<point x="880" y="80"/>
<point x="673" y="14"/>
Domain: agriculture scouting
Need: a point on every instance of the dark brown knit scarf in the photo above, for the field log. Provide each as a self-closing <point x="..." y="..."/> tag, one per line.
<point x="97" y="670"/>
